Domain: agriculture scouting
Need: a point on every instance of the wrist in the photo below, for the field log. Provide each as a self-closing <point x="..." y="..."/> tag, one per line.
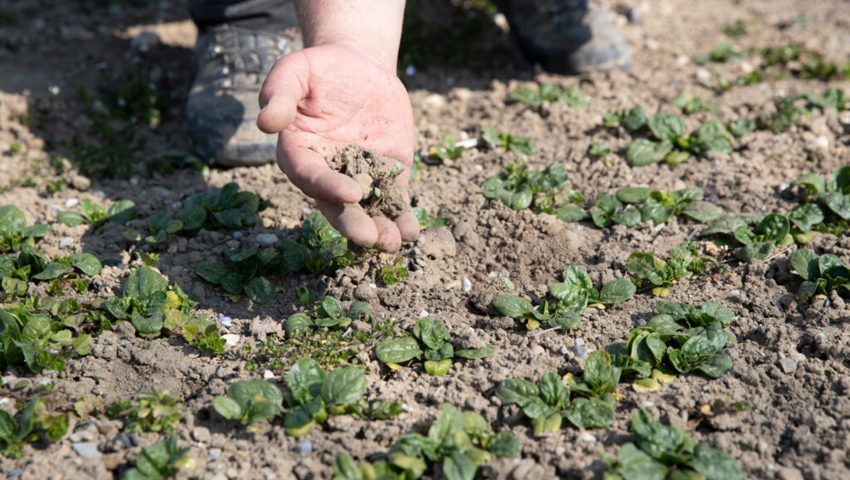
<point x="371" y="27"/>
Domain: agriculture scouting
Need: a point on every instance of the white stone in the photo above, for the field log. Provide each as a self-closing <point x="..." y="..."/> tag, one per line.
<point x="268" y="375"/>
<point x="71" y="202"/>
<point x="231" y="339"/>
<point x="66" y="242"/>
<point x="466" y="285"/>
<point x="266" y="239"/>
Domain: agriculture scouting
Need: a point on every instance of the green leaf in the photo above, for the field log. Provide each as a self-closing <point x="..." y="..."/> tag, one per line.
<point x="227" y="408"/>
<point x="343" y="386"/>
<point x="665" y="126"/>
<point x="634" y="120"/>
<point x="516" y="391"/>
<point x="505" y="445"/>
<point x="121" y="212"/>
<point x="51" y="271"/>
<point x="449" y="422"/>
<point x="838" y="203"/>
<point x="69" y="218"/>
<point x="246" y="392"/>
<point x="633" y="194"/>
<point x="591" y="412"/>
<point x="92" y="211"/>
<point x="512" y="306"/>
<point x="305" y="380"/>
<point x="570" y="213"/>
<point x="398" y="350"/>
<point x="86" y="263"/>
<point x="801" y="261"/>
<point x="193" y="219"/>
<point x="637" y="465"/>
<point x="331" y="307"/>
<point x="714" y="464"/>
<point x="298" y="325"/>
<point x="473" y="353"/>
<point x="618" y="290"/>
<point x="642" y="152"/>
<point x="211" y="272"/>
<point x="438" y="367"/>
<point x="432" y="333"/>
<point x="144" y="282"/>
<point x="813" y="182"/>
<point x="260" y="290"/>
<point x="702" y="211"/>
<point x="714" y="137"/>
<point x="806" y="217"/>
<point x="459" y="467"/>
<point x="149" y="326"/>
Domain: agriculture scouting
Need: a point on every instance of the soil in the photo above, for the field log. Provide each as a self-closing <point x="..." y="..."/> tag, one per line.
<point x="798" y="425"/>
<point x="381" y="193"/>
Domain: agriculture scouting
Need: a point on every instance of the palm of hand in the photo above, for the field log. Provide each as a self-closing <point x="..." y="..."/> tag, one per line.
<point x="343" y="98"/>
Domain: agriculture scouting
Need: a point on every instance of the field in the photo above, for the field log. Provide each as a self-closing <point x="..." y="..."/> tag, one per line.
<point x="131" y="300"/>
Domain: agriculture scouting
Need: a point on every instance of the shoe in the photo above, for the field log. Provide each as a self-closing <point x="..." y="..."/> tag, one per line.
<point x="222" y="108"/>
<point x="567" y="36"/>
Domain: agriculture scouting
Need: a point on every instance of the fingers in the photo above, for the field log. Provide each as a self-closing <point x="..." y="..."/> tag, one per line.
<point x="389" y="238"/>
<point x="352" y="222"/>
<point x="285" y="86"/>
<point x="310" y="172"/>
<point x="408" y="225"/>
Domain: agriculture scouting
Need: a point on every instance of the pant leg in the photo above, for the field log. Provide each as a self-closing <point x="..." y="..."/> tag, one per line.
<point x="213" y="12"/>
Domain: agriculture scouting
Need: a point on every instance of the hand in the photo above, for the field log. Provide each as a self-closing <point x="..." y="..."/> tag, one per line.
<point x="325" y="98"/>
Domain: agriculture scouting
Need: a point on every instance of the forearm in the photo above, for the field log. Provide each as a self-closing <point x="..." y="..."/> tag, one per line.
<point x="371" y="26"/>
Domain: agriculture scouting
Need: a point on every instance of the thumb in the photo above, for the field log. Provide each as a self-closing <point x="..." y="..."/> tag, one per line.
<point x="285" y="86"/>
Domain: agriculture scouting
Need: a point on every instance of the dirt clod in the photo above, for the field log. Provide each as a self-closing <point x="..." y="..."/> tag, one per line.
<point x="377" y="177"/>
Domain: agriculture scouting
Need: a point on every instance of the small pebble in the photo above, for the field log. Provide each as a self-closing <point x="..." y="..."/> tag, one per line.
<point x="372" y="285"/>
<point x="563" y="350"/>
<point x="423" y="314"/>
<point x="406" y="408"/>
<point x="201" y="434"/>
<point x="134" y="181"/>
<point x="66" y="242"/>
<point x="126" y="440"/>
<point x="87" y="449"/>
<point x="268" y="375"/>
<point x="213" y="454"/>
<point x="466" y="285"/>
<point x="585" y="437"/>
<point x="238" y="235"/>
<point x="303" y="448"/>
<point x="15" y="473"/>
<point x="231" y="339"/>
<point x="266" y="239"/>
<point x="417" y="251"/>
<point x="579" y="350"/>
<point x="648" y="404"/>
<point x="822" y="142"/>
<point x="71" y="202"/>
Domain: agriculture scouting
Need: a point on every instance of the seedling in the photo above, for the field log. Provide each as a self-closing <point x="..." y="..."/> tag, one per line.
<point x="14" y="231"/>
<point x="151" y="304"/>
<point x="449" y="150"/>
<point x="827" y="202"/>
<point x="161" y="460"/>
<point x="548" y="92"/>
<point x="37" y="420"/>
<point x="569" y="300"/>
<point x="632" y="205"/>
<point x="650" y="272"/>
<point x="329" y="313"/>
<point x="821" y="274"/>
<point x="430" y="339"/>
<point x="457" y="444"/>
<point x="314" y="394"/>
<point x="29" y="265"/>
<point x="722" y="53"/>
<point x="250" y="401"/>
<point x="549" y="402"/>
<point x="691" y="105"/>
<point x="755" y="236"/>
<point x="542" y="191"/>
<point x="425" y="223"/>
<point x="681" y="338"/>
<point x="157" y="411"/>
<point x="393" y="272"/>
<point x="119" y="212"/>
<point x="737" y="29"/>
<point x="598" y="151"/>
<point x="507" y="142"/>
<point x="668" y="452"/>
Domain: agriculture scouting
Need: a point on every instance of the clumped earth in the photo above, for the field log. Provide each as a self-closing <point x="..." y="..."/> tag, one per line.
<point x="377" y="176"/>
<point x="782" y="410"/>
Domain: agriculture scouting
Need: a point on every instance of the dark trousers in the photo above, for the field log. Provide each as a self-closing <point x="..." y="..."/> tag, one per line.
<point x="212" y="12"/>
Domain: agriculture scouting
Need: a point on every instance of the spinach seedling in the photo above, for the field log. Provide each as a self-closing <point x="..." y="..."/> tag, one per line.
<point x="723" y="53"/>
<point x="827" y="202"/>
<point x="668" y="452"/>
<point x="507" y="142"/>
<point x="314" y="394"/>
<point x="543" y="191"/>
<point x="549" y="402"/>
<point x="120" y="212"/>
<point x="449" y="150"/>
<point x="598" y="151"/>
<point x="681" y="338"/>
<point x="163" y="459"/>
<point x="754" y="236"/>
<point x="650" y="272"/>
<point x="250" y="401"/>
<point x="14" y="231"/>
<point x="569" y="300"/>
<point x="430" y="339"/>
<point x="425" y="222"/>
<point x="632" y="205"/>
<point x="328" y="313"/>
<point x="691" y="105"/>
<point x="157" y="411"/>
<point x="393" y="272"/>
<point x="37" y="420"/>
<point x="572" y="97"/>
<point x="632" y="120"/>
<point x="821" y="274"/>
<point x="457" y="443"/>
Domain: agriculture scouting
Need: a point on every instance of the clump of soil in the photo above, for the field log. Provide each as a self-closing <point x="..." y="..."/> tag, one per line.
<point x="377" y="176"/>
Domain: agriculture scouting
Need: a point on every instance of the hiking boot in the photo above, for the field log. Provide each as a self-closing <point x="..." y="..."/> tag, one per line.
<point x="233" y="60"/>
<point x="567" y="36"/>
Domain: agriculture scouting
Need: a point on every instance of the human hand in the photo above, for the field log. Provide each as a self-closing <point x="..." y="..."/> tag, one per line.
<point x="322" y="99"/>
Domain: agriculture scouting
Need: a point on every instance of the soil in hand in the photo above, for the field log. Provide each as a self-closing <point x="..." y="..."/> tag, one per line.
<point x="377" y="176"/>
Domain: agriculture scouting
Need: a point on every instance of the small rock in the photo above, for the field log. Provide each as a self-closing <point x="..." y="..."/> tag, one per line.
<point x="438" y="242"/>
<point x="563" y="350"/>
<point x="219" y="476"/>
<point x="15" y="473"/>
<point x="466" y="285"/>
<point x="268" y="375"/>
<point x="303" y="448"/>
<point x="145" y="41"/>
<point x="231" y="339"/>
<point x="71" y="202"/>
<point x="66" y="242"/>
<point x="789" y="364"/>
<point x="423" y="313"/>
<point x="470" y="340"/>
<point x="266" y="240"/>
<point x="788" y="473"/>
<point x="585" y="437"/>
<point x="80" y="182"/>
<point x="238" y="235"/>
<point x="125" y="440"/>
<point x="87" y="449"/>
<point x="106" y="427"/>
<point x="703" y="75"/>
<point x="262" y="328"/>
<point x="85" y="435"/>
<point x="579" y="350"/>
<point x="124" y="330"/>
<point x="213" y="454"/>
<point x="340" y="423"/>
<point x="822" y="142"/>
<point x="242" y="445"/>
<point x="201" y="434"/>
<point x="363" y="292"/>
<point x="134" y="181"/>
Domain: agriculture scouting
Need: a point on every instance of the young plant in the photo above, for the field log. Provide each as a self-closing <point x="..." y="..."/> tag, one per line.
<point x="328" y="313"/>
<point x="542" y="191"/>
<point x="569" y="300"/>
<point x="39" y="419"/>
<point x="681" y="338"/>
<point x="598" y="151"/>
<point x="691" y="105"/>
<point x="157" y="411"/>
<point x="507" y="142"/>
<point x="430" y="339"/>
<point x="457" y="444"/>
<point x="722" y="53"/>
<point x="754" y="236"/>
<point x="250" y="401"/>
<point x="425" y="223"/>
<point x="631" y="120"/>
<point x="650" y="272"/>
<point x="449" y="150"/>
<point x="827" y="202"/>
<point x="668" y="452"/>
<point x="548" y="92"/>
<point x="314" y="394"/>
<point x="393" y="272"/>
<point x="656" y="205"/>
<point x="161" y="460"/>
<point x="119" y="212"/>
<point x="820" y="274"/>
<point x="14" y="231"/>
<point x="549" y="402"/>
<point x="29" y="265"/>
